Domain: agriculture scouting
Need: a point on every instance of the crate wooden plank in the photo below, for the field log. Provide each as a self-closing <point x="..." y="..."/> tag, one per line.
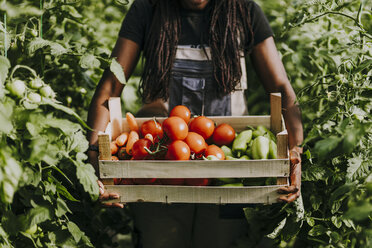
<point x="282" y="144"/>
<point x="115" y="116"/>
<point x="276" y="112"/>
<point x="194" y="194"/>
<point x="194" y="169"/>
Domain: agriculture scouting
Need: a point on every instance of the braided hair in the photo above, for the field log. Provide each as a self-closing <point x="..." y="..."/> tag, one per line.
<point x="230" y="33"/>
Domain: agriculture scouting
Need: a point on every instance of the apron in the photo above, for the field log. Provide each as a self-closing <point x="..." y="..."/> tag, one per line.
<point x="192" y="85"/>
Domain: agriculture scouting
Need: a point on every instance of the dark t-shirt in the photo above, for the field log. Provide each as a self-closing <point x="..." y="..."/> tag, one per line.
<point x="194" y="24"/>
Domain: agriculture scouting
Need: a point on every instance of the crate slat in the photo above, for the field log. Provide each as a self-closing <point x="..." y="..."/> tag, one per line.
<point x="194" y="194"/>
<point x="194" y="169"/>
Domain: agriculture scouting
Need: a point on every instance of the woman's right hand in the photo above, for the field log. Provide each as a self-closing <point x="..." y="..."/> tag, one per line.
<point x="104" y="196"/>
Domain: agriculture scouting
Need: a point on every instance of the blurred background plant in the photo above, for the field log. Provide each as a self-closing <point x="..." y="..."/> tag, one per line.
<point x="53" y="54"/>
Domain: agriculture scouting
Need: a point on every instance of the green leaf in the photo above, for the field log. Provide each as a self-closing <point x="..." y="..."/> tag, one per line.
<point x="75" y="231"/>
<point x="86" y="175"/>
<point x="336" y="221"/>
<point x="325" y="147"/>
<point x="64" y="192"/>
<point x="38" y="215"/>
<point x="62" y="208"/>
<point x="317" y="230"/>
<point x="360" y="212"/>
<point x="356" y="168"/>
<point x="4" y="69"/>
<point x="6" y="110"/>
<point x="66" y="110"/>
<point x="118" y="71"/>
<point x="310" y="221"/>
<point x="275" y="233"/>
<point x="89" y="61"/>
<point x="37" y="44"/>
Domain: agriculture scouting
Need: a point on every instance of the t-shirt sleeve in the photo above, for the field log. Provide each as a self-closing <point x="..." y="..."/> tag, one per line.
<point x="260" y="25"/>
<point x="136" y="22"/>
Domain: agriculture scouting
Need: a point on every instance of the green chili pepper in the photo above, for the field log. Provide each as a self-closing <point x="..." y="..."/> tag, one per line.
<point x="240" y="143"/>
<point x="230" y="158"/>
<point x="272" y="150"/>
<point x="260" y="131"/>
<point x="260" y="147"/>
<point x="233" y="185"/>
<point x="226" y="150"/>
<point x="244" y="157"/>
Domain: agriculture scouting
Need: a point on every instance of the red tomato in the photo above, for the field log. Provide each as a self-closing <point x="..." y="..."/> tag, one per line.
<point x="196" y="142"/>
<point x="122" y="153"/>
<point x="144" y="181"/>
<point x="224" y="134"/>
<point x="203" y="126"/>
<point x="152" y="127"/>
<point x="176" y="128"/>
<point x="138" y="149"/>
<point x="215" y="151"/>
<point x="178" y="150"/>
<point x="182" y="112"/>
<point x="172" y="181"/>
<point x="126" y="181"/>
<point x="123" y="181"/>
<point x="117" y="181"/>
<point x="197" y="181"/>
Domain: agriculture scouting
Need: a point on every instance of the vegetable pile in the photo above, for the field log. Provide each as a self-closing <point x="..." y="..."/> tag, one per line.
<point x="180" y="137"/>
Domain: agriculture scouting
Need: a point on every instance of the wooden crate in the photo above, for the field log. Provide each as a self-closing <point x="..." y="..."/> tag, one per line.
<point x="278" y="168"/>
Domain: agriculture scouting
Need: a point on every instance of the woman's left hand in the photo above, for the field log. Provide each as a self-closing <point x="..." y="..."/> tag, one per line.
<point x="292" y="192"/>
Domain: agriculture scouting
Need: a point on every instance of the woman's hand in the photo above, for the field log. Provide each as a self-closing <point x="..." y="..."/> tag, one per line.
<point x="104" y="196"/>
<point x="294" y="190"/>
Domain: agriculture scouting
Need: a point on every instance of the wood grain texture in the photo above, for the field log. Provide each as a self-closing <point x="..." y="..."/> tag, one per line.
<point x="282" y="145"/>
<point x="194" y="169"/>
<point x="276" y="112"/>
<point x="194" y="194"/>
<point x="116" y="118"/>
<point x="104" y="147"/>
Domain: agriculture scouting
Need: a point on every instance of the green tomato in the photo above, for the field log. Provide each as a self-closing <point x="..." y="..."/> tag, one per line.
<point x="349" y="65"/>
<point x="34" y="97"/>
<point x="36" y="83"/>
<point x="16" y="88"/>
<point x="34" y="33"/>
<point x="31" y="230"/>
<point x="46" y="91"/>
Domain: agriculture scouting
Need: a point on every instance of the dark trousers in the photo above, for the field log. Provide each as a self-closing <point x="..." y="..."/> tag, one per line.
<point x="185" y="226"/>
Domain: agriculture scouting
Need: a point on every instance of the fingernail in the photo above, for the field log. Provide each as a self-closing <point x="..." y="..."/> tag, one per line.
<point x="101" y="190"/>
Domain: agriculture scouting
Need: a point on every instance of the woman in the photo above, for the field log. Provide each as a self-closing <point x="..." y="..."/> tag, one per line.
<point x="195" y="55"/>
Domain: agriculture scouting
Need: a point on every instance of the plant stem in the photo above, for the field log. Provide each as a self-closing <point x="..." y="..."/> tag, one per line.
<point x="5" y="38"/>
<point x="24" y="67"/>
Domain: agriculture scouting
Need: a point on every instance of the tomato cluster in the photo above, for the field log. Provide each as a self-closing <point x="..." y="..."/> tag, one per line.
<point x="179" y="137"/>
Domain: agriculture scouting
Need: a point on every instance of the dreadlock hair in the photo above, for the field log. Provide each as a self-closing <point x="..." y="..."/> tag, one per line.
<point x="230" y="33"/>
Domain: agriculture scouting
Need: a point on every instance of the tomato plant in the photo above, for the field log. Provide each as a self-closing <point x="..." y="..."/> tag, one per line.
<point x="223" y="134"/>
<point x="175" y="128"/>
<point x="203" y="126"/>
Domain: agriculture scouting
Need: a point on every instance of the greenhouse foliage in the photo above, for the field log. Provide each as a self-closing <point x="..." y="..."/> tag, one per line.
<point x="55" y="53"/>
